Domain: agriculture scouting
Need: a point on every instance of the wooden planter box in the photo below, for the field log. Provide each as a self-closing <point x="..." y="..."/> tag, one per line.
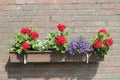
<point x="49" y="56"/>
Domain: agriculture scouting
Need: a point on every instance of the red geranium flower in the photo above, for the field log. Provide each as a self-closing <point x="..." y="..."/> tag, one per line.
<point x="61" y="27"/>
<point x="60" y="40"/>
<point x="97" y="44"/>
<point x="102" y="31"/>
<point x="25" y="46"/>
<point x="108" y="42"/>
<point x="34" y="35"/>
<point x="25" y="31"/>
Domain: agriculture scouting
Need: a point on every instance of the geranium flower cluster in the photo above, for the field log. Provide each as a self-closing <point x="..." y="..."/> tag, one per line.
<point x="61" y="39"/>
<point x="32" y="34"/>
<point x="58" y="41"/>
<point x="102" y="42"/>
<point x="25" y="40"/>
<point x="25" y="46"/>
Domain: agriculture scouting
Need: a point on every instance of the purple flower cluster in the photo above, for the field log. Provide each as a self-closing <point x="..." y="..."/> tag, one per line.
<point x="79" y="46"/>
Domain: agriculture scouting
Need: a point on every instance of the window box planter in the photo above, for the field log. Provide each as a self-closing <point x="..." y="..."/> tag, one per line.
<point x="49" y="56"/>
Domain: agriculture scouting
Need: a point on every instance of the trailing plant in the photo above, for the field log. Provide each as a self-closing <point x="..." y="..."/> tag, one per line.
<point x="79" y="46"/>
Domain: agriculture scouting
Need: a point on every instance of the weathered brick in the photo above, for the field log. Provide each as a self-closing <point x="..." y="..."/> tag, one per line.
<point x="9" y="7"/>
<point x="5" y="31"/>
<point x="113" y="1"/>
<point x="88" y="24"/>
<point x="92" y="1"/>
<point x="111" y="6"/>
<point x="114" y="23"/>
<point x="109" y="18"/>
<point x="105" y="13"/>
<point x="59" y="7"/>
<point x="3" y="13"/>
<point x="20" y="1"/>
<point x="40" y="1"/>
<point x="66" y="1"/>
<point x="82" y="17"/>
<point x="6" y="1"/>
<point x="115" y="35"/>
<point x="46" y="1"/>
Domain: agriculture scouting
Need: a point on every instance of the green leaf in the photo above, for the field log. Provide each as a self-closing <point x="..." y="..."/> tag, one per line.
<point x="63" y="51"/>
<point x="11" y="49"/>
<point x="19" y="51"/>
<point x="66" y="46"/>
<point x="17" y="45"/>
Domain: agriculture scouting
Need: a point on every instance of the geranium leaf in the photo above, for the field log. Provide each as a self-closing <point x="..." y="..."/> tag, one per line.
<point x="19" y="51"/>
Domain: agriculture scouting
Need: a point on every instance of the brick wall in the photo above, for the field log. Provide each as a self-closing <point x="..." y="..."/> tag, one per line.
<point x="83" y="17"/>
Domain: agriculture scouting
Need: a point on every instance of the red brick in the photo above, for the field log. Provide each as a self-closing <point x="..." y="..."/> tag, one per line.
<point x="3" y="13"/>
<point x="111" y="6"/>
<point x="91" y="1"/>
<point x="20" y="1"/>
<point x="105" y="13"/>
<point x="40" y="1"/>
<point x="3" y="78"/>
<point x="6" y="1"/>
<point x="112" y="59"/>
<point x="96" y="76"/>
<point x="11" y="7"/>
<point x="46" y="1"/>
<point x="4" y="60"/>
<point x="113" y="71"/>
<point x="86" y="1"/>
<point x="66" y="1"/>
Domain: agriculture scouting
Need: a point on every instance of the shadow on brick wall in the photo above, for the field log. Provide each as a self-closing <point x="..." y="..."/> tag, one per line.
<point x="52" y="71"/>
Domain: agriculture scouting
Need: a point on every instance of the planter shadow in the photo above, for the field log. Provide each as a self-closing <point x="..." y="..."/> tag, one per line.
<point x="52" y="71"/>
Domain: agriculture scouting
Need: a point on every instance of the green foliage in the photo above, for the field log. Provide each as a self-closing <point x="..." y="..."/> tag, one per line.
<point x="20" y="38"/>
<point x="57" y="47"/>
<point x="42" y="45"/>
<point x="100" y="51"/>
